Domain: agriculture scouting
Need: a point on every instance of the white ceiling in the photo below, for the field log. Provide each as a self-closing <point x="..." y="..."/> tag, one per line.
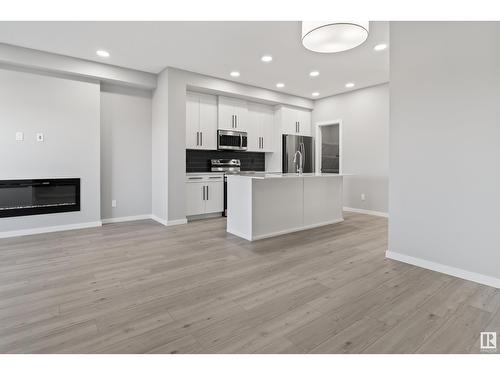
<point x="215" y="49"/>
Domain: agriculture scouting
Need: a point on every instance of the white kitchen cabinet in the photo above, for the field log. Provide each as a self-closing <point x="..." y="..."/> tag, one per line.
<point x="232" y="114"/>
<point x="260" y="127"/>
<point x="294" y="121"/>
<point x="304" y="122"/>
<point x="214" y="196"/>
<point x="201" y="121"/>
<point x="195" y="198"/>
<point x="204" y="194"/>
<point x="267" y="130"/>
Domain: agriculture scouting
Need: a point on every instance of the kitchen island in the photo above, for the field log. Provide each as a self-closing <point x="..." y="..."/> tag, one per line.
<point x="262" y="205"/>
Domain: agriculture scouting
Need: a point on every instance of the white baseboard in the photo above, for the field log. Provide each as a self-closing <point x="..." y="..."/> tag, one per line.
<point x="176" y="222"/>
<point x="158" y="220"/>
<point x="448" y="270"/>
<point x="168" y="223"/>
<point x="55" y="228"/>
<point x="125" y="218"/>
<point x="366" y="212"/>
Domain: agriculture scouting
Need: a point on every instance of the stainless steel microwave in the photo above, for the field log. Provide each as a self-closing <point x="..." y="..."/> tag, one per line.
<point x="231" y="140"/>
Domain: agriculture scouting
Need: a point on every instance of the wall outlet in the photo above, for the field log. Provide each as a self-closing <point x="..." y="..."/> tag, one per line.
<point x="19" y="136"/>
<point x="39" y="137"/>
<point x="363" y="197"/>
<point x="113" y="203"/>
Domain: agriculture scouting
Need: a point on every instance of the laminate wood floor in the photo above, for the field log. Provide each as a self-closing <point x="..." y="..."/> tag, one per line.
<point x="139" y="287"/>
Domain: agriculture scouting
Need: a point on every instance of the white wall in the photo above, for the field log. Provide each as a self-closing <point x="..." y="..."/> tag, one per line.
<point x="365" y="143"/>
<point x="73" y="68"/>
<point x="445" y="147"/>
<point x="125" y="152"/>
<point x="67" y="112"/>
<point x="159" y="149"/>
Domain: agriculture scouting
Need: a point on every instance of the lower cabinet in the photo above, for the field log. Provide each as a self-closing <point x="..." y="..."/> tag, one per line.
<point x="204" y="194"/>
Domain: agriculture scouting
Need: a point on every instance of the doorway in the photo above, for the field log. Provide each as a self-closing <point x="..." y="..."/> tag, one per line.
<point x="328" y="147"/>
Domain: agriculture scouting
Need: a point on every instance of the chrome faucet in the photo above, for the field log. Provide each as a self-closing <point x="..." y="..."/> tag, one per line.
<point x="299" y="166"/>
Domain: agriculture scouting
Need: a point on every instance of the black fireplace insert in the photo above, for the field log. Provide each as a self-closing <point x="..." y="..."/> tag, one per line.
<point x="39" y="196"/>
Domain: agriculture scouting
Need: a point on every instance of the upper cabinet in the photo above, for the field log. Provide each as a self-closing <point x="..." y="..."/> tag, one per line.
<point x="233" y="114"/>
<point x="201" y="121"/>
<point x="260" y="127"/>
<point x="294" y="121"/>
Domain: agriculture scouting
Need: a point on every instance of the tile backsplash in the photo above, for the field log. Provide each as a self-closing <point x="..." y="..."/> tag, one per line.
<point x="199" y="160"/>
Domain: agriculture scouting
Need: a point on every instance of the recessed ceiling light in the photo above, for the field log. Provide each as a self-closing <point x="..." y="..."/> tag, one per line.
<point x="235" y="74"/>
<point x="315" y="94"/>
<point x="349" y="85"/>
<point x="102" y="53"/>
<point x="280" y="85"/>
<point x="380" y="47"/>
<point x="333" y="36"/>
<point x="267" y="58"/>
<point x="314" y="73"/>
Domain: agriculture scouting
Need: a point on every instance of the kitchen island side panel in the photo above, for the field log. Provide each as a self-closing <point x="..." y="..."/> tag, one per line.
<point x="277" y="205"/>
<point x="322" y="201"/>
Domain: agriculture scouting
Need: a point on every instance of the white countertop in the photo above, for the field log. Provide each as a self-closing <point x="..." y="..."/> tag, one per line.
<point x="266" y="175"/>
<point x="203" y="173"/>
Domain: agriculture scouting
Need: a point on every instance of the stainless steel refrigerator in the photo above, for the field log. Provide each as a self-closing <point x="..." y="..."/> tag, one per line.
<point x="292" y="144"/>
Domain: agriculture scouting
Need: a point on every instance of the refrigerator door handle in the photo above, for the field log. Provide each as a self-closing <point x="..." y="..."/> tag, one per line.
<point x="303" y="154"/>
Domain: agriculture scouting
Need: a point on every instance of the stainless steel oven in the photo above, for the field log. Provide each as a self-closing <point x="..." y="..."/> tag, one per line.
<point x="228" y="166"/>
<point x="231" y="140"/>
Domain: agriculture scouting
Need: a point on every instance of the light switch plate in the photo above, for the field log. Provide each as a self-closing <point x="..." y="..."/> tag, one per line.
<point x="39" y="137"/>
<point x="113" y="203"/>
<point x="19" y="136"/>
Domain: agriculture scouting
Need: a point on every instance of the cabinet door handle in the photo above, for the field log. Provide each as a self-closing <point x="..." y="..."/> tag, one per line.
<point x="197" y="138"/>
<point x="207" y="193"/>
<point x="262" y="142"/>
<point x="235" y="121"/>
<point x="203" y="192"/>
<point x="298" y="123"/>
<point x="201" y="138"/>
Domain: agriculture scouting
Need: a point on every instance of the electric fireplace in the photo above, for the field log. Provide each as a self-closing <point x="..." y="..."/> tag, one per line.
<point x="39" y="196"/>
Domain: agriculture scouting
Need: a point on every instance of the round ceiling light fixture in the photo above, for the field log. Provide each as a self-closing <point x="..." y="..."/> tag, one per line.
<point x="333" y="36"/>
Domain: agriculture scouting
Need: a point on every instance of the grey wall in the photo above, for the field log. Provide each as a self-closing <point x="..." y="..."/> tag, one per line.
<point x="67" y="112"/>
<point x="125" y="151"/>
<point x="365" y="143"/>
<point x="445" y="144"/>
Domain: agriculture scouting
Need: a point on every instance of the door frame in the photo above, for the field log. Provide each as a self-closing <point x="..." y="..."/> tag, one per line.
<point x="318" y="144"/>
